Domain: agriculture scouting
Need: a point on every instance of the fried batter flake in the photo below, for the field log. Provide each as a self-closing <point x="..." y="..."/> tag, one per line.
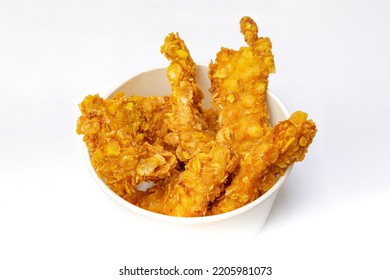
<point x="188" y="193"/>
<point x="239" y="81"/>
<point x="125" y="139"/>
<point x="263" y="163"/>
<point x="187" y="121"/>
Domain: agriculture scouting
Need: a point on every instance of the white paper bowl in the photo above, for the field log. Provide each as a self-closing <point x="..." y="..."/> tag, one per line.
<point x="247" y="220"/>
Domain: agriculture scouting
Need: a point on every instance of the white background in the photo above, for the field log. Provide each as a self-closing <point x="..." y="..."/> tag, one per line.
<point x="331" y="219"/>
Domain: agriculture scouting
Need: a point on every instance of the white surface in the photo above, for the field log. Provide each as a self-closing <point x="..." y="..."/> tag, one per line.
<point x="331" y="219"/>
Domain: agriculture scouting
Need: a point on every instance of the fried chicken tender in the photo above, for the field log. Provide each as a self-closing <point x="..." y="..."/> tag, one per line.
<point x="239" y="81"/>
<point x="209" y="158"/>
<point x="186" y="120"/>
<point x="124" y="136"/>
<point x="265" y="162"/>
<point x="188" y="193"/>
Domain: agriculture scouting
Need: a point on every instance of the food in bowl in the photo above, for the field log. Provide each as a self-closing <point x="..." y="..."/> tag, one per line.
<point x="200" y="162"/>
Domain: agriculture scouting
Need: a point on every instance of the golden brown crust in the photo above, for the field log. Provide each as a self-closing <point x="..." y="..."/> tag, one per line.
<point x="124" y="136"/>
<point x="265" y="162"/>
<point x="186" y="120"/>
<point x="239" y="82"/>
<point x="209" y="158"/>
<point x="188" y="193"/>
<point x="249" y="29"/>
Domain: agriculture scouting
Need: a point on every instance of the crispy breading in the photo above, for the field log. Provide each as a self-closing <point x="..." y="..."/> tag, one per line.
<point x="239" y="81"/>
<point x="124" y="136"/>
<point x="187" y="122"/>
<point x="265" y="162"/>
<point x="188" y="193"/>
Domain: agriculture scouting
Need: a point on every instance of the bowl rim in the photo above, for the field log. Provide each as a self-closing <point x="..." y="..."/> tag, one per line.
<point x="186" y="220"/>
